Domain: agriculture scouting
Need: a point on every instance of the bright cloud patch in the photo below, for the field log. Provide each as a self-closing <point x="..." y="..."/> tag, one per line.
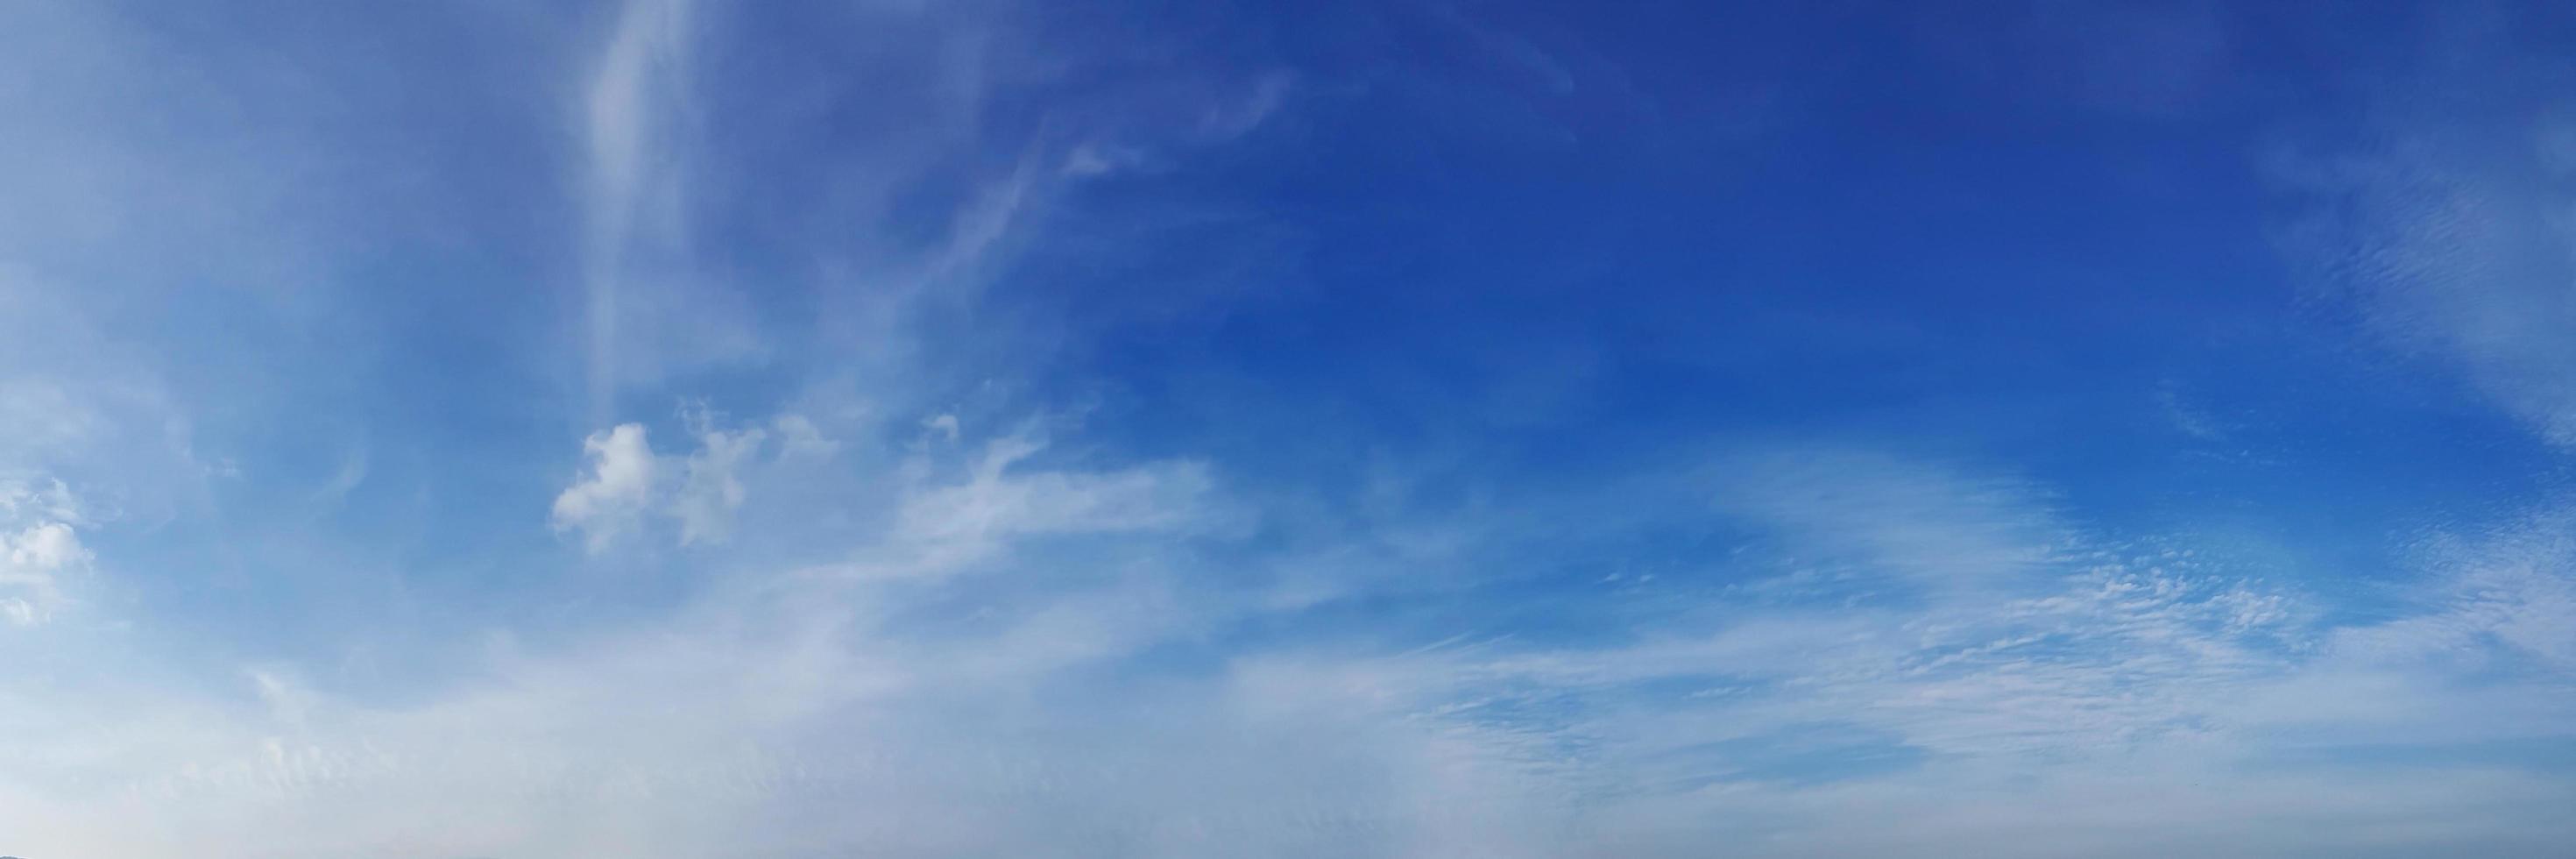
<point x="613" y="495"/>
<point x="42" y="547"/>
<point x="627" y="487"/>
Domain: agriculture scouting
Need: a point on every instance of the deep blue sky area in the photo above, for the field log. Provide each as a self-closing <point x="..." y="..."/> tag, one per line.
<point x="1396" y="429"/>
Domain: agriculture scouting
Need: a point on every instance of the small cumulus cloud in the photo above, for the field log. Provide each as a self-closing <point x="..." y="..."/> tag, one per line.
<point x="615" y="489"/>
<point x="38" y="545"/>
<point x="626" y="486"/>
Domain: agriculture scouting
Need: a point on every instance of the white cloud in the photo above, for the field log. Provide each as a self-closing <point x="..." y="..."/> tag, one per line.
<point x="710" y="487"/>
<point x="607" y="500"/>
<point x="74" y="401"/>
<point x="943" y="425"/>
<point x="35" y="555"/>
<point x="40" y="417"/>
<point x="651" y="310"/>
<point x="939" y="715"/>
<point x="49" y="500"/>
<point x="1920" y="519"/>
<point x="1101" y="159"/>
<point x="780" y="739"/>
<point x="45" y="547"/>
<point x="998" y="501"/>
<point x="351" y="472"/>
<point x="618" y="125"/>
<point x="2030" y="686"/>
<point x="802" y="438"/>
<point x="2451" y="238"/>
<point x="626" y="486"/>
<point x="2514" y="587"/>
<point x="1240" y="117"/>
<point x="942" y="527"/>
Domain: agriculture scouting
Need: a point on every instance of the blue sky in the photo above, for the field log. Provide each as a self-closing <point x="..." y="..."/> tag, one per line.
<point x="1395" y="429"/>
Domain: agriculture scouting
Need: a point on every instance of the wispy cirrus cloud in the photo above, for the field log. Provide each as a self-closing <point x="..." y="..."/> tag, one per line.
<point x="882" y="584"/>
<point x="2448" y="237"/>
<point x="1002" y="704"/>
<point x="651" y="309"/>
